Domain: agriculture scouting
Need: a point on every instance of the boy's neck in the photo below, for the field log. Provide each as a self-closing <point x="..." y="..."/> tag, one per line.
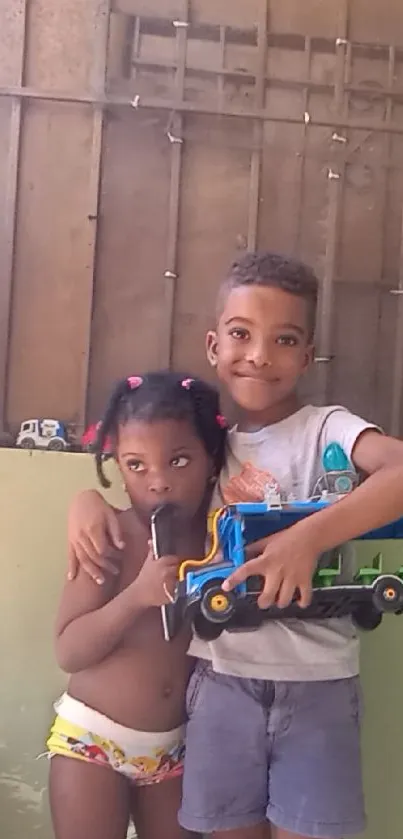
<point x="276" y="413"/>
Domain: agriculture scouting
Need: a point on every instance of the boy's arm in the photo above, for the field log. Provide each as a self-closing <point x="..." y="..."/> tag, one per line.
<point x="95" y="539"/>
<point x="289" y="558"/>
<point x="91" y="621"/>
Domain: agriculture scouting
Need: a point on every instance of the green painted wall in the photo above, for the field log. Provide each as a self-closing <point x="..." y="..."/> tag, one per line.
<point x="35" y="491"/>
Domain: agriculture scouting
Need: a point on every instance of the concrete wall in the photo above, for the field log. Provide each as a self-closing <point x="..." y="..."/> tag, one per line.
<point x="35" y="492"/>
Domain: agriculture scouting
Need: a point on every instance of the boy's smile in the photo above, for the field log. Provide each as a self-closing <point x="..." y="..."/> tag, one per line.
<point x="260" y="350"/>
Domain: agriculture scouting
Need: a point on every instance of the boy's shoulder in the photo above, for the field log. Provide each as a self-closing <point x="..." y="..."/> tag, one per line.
<point x="305" y="432"/>
<point x="317" y="416"/>
<point x="309" y="414"/>
<point x="306" y="419"/>
<point x="326" y="423"/>
<point x="321" y="412"/>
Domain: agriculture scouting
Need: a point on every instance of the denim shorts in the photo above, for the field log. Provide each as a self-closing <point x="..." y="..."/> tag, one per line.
<point x="288" y="752"/>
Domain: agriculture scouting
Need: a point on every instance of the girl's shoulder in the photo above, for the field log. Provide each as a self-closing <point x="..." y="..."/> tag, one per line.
<point x="132" y="529"/>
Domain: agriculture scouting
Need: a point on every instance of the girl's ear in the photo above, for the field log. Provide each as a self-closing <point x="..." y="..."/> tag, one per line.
<point x="211" y="347"/>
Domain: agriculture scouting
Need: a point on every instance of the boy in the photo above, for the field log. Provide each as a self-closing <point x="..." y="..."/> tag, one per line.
<point x="274" y="715"/>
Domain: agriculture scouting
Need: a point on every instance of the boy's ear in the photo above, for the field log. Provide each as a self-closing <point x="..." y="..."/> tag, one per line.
<point x="309" y="356"/>
<point x="211" y="347"/>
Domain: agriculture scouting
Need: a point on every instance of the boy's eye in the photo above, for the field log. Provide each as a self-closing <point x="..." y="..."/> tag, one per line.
<point x="287" y="341"/>
<point x="239" y="333"/>
<point x="180" y="461"/>
<point x="135" y="465"/>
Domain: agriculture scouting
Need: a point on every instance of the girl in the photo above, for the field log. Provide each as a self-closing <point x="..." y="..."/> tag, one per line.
<point x="117" y="742"/>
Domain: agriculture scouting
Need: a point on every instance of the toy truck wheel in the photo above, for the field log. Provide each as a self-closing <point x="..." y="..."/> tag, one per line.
<point x="206" y="630"/>
<point x="56" y="445"/>
<point x="367" y="617"/>
<point x="27" y="443"/>
<point x="388" y="594"/>
<point x="217" y="605"/>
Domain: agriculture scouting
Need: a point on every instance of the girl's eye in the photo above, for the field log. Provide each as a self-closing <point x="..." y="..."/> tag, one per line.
<point x="287" y="341"/>
<point x="239" y="333"/>
<point x="180" y="462"/>
<point x="135" y="466"/>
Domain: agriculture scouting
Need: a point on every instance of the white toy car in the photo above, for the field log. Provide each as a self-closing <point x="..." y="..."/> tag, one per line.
<point x="43" y="434"/>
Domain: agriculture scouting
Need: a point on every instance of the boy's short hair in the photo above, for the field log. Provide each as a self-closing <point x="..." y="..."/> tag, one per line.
<point x="274" y="270"/>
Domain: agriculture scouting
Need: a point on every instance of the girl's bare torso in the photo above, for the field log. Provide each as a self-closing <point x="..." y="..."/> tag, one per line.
<point x="142" y="684"/>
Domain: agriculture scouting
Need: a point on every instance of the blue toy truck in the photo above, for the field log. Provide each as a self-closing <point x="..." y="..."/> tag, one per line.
<point x="199" y="595"/>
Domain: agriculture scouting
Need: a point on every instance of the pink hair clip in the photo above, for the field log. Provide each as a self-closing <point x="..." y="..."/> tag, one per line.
<point x="134" y="382"/>
<point x="222" y="422"/>
<point x="187" y="383"/>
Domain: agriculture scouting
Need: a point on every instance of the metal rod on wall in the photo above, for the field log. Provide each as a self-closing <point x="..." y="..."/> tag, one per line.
<point x="98" y="74"/>
<point x="324" y="357"/>
<point x="377" y="376"/>
<point x="301" y="159"/>
<point x="397" y="391"/>
<point x="7" y="241"/>
<point x="164" y="104"/>
<point x="258" y="129"/>
<point x="175" y="136"/>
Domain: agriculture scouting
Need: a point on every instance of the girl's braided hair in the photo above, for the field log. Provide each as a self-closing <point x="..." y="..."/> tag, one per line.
<point x="159" y="396"/>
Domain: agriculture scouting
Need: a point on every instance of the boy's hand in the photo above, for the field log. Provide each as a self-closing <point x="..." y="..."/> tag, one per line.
<point x="93" y="535"/>
<point x="287" y="562"/>
<point x="156" y="582"/>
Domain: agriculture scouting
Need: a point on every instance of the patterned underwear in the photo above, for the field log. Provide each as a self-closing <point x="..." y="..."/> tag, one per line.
<point x="144" y="757"/>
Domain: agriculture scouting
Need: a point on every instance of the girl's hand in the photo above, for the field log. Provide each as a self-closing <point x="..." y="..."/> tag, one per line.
<point x="93" y="535"/>
<point x="287" y="562"/>
<point x="155" y="585"/>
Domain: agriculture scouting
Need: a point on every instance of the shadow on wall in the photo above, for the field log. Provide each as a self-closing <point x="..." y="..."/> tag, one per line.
<point x="35" y="492"/>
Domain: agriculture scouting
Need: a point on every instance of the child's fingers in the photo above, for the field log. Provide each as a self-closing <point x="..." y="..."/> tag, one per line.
<point x="72" y="563"/>
<point x="242" y="574"/>
<point x="93" y="571"/>
<point x="169" y="582"/>
<point x="108" y="564"/>
<point x="286" y="593"/>
<point x="305" y="596"/>
<point x="95" y="542"/>
<point x="86" y="550"/>
<point x="114" y="531"/>
<point x="268" y="597"/>
<point x="89" y="558"/>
